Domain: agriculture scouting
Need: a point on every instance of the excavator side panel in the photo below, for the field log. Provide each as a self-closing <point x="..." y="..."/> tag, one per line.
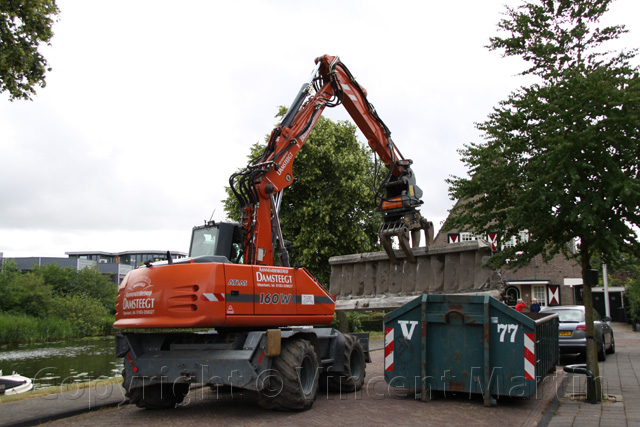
<point x="172" y="296"/>
<point x="275" y="290"/>
<point x="240" y="290"/>
<point x="215" y="294"/>
<point x="313" y="299"/>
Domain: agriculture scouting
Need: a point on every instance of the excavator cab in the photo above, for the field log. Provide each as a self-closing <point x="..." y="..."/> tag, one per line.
<point x="217" y="239"/>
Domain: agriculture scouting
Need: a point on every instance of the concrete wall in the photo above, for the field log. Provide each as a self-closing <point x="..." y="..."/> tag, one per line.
<point x="447" y="268"/>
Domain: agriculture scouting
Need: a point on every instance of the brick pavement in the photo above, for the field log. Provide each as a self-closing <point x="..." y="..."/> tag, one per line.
<point x="375" y="405"/>
<point x="621" y="380"/>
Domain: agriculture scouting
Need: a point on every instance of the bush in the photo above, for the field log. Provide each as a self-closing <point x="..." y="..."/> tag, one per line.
<point x="85" y="314"/>
<point x="107" y="324"/>
<point x="55" y="328"/>
<point x="353" y="320"/>
<point x="633" y="295"/>
<point x="372" y="322"/>
<point x="26" y="294"/>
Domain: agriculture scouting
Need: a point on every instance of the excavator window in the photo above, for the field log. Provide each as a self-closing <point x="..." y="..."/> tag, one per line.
<point x="236" y="253"/>
<point x="204" y="242"/>
<point x="222" y="239"/>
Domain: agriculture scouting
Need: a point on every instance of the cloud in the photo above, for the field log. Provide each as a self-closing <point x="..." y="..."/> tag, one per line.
<point x="151" y="106"/>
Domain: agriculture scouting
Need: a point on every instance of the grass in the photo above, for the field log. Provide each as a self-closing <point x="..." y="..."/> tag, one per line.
<point x="21" y="328"/>
<point x="376" y="335"/>
<point x="58" y="389"/>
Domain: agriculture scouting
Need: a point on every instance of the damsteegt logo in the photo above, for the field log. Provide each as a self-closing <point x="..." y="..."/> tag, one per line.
<point x="139" y="300"/>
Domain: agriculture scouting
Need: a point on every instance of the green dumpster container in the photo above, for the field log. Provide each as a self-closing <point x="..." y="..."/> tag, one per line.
<point x="470" y="344"/>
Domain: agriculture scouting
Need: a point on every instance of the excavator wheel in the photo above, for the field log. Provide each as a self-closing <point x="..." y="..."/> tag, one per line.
<point x="352" y="378"/>
<point x="158" y="396"/>
<point x="293" y="380"/>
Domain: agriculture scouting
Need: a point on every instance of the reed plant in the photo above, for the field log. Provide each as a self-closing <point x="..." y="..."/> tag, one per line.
<point x="20" y="328"/>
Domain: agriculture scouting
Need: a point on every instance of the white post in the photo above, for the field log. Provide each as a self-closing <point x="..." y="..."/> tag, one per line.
<point x="605" y="279"/>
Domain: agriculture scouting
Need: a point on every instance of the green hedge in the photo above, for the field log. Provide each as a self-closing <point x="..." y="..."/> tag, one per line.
<point x="372" y="322"/>
<point x="361" y="322"/>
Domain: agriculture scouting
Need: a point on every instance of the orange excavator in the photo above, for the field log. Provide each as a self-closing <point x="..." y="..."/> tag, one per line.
<point x="260" y="309"/>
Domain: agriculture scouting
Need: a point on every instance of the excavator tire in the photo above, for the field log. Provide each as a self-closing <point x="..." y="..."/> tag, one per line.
<point x="352" y="377"/>
<point x="293" y="380"/>
<point x="157" y="396"/>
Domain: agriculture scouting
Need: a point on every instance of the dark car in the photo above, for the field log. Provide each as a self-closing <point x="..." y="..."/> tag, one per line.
<point x="573" y="334"/>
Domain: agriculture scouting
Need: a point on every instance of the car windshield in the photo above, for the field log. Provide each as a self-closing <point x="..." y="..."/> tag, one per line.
<point x="570" y="315"/>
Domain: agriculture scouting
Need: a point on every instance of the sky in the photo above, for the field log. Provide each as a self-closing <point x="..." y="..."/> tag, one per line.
<point x="150" y="106"/>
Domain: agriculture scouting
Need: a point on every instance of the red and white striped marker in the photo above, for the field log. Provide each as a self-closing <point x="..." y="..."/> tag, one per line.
<point x="212" y="297"/>
<point x="388" y="349"/>
<point x="529" y="357"/>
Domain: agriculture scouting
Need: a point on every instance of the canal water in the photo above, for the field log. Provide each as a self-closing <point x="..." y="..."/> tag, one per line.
<point x="63" y="362"/>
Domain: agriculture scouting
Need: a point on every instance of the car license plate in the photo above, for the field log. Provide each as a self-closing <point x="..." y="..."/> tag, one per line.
<point x="565" y="333"/>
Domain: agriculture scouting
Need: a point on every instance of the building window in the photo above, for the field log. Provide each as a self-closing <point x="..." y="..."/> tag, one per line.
<point x="540" y="293"/>
<point x="467" y="237"/>
<point x="509" y="243"/>
<point x="522" y="237"/>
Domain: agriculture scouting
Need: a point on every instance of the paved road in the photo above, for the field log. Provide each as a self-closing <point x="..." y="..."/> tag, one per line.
<point x="620" y="380"/>
<point x="375" y="404"/>
<point x="554" y="405"/>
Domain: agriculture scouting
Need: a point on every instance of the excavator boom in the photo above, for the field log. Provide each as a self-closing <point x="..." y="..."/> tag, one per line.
<point x="259" y="186"/>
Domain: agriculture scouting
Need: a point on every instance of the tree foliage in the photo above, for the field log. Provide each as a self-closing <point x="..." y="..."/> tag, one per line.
<point x="89" y="282"/>
<point x="558" y="35"/>
<point x="561" y="158"/>
<point x="60" y="302"/>
<point x="633" y="296"/>
<point x="330" y="208"/>
<point x="24" y="27"/>
<point x="26" y="293"/>
<point x="624" y="271"/>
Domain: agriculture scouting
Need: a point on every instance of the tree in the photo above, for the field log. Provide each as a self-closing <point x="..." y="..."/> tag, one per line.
<point x="33" y="295"/>
<point x="88" y="281"/>
<point x="330" y="208"/>
<point x="24" y="26"/>
<point x="561" y="158"/>
<point x="59" y="278"/>
<point x="8" y="274"/>
<point x="23" y="293"/>
<point x="86" y="314"/>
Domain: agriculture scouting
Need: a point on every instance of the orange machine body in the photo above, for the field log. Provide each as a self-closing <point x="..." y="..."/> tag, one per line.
<point x="221" y="295"/>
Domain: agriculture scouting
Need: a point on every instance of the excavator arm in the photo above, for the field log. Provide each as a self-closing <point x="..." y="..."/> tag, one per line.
<point x="259" y="186"/>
